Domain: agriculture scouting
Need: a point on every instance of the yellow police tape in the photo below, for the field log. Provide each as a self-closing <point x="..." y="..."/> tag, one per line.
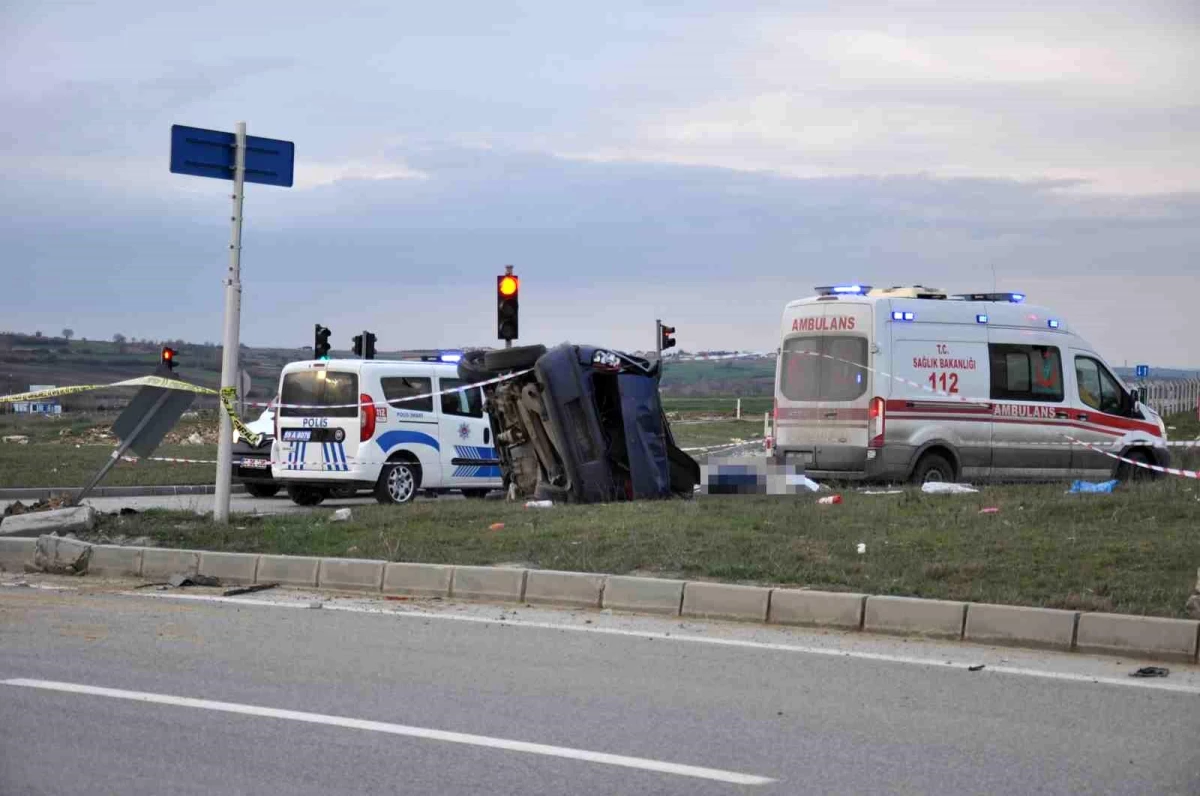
<point x="228" y="395"/>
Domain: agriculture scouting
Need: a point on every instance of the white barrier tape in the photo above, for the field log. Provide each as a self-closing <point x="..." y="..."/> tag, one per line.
<point x="723" y="446"/>
<point x="394" y="401"/>
<point x="1156" y="468"/>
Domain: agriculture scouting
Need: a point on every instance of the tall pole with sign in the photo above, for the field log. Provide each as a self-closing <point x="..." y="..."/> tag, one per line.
<point x="225" y="156"/>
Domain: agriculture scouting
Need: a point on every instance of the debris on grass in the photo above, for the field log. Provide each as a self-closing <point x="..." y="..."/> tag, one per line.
<point x="990" y="510"/>
<point x="830" y="500"/>
<point x="1150" y="671"/>
<point x="946" y="488"/>
<point x="248" y="589"/>
<point x="1092" y="487"/>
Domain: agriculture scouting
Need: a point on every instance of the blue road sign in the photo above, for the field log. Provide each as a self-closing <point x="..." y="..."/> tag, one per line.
<point x="209" y="153"/>
<point x="1142" y="371"/>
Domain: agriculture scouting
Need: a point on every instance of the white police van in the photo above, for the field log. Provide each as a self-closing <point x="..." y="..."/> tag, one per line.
<point x="376" y="424"/>
<point x="909" y="383"/>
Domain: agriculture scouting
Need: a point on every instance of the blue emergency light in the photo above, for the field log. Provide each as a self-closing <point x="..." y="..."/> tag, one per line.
<point x="1052" y="323"/>
<point x="450" y="357"/>
<point x="897" y="315"/>
<point x="1016" y="298"/>
<point x="981" y="319"/>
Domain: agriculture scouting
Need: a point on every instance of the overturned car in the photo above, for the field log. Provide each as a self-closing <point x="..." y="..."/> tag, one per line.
<point x="579" y="424"/>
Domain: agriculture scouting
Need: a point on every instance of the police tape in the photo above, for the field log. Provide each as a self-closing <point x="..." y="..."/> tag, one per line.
<point x="142" y="381"/>
<point x="393" y="401"/>
<point x="228" y="396"/>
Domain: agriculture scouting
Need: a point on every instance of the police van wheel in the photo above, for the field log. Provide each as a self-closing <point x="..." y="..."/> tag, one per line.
<point x="306" y="495"/>
<point x="262" y="490"/>
<point x="397" y="483"/>
<point x="477" y="494"/>
<point x="933" y="467"/>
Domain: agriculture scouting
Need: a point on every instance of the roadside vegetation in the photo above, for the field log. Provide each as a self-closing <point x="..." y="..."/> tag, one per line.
<point x="1133" y="551"/>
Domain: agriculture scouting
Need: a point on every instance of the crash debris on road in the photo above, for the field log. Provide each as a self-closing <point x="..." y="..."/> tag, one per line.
<point x="37" y="521"/>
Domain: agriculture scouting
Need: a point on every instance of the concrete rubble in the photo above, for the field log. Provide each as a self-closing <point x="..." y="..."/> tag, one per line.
<point x="57" y="555"/>
<point x="67" y="520"/>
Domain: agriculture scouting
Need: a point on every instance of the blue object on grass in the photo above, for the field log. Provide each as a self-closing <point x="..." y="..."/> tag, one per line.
<point x="1087" y="486"/>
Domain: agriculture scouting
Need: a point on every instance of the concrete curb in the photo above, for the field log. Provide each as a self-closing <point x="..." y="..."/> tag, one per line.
<point x="45" y="493"/>
<point x="1147" y="637"/>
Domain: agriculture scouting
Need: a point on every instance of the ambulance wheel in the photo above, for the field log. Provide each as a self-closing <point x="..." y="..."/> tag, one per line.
<point x="933" y="467"/>
<point x="398" y="483"/>
<point x="1131" y="472"/>
<point x="307" y="495"/>
<point x="262" y="490"/>
<point x="515" y="358"/>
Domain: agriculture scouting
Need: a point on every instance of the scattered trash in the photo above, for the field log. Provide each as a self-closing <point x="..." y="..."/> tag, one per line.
<point x="182" y="579"/>
<point x="1150" y="671"/>
<point x="799" y="479"/>
<point x="882" y="492"/>
<point x="194" y="439"/>
<point x="539" y="504"/>
<point x="248" y="589"/>
<point x="974" y="668"/>
<point x="395" y="597"/>
<point x="16" y="439"/>
<point x="1089" y="487"/>
<point x="990" y="510"/>
<point x="341" y="515"/>
<point x="862" y="548"/>
<point x="830" y="500"/>
<point x="496" y="526"/>
<point x="946" y="488"/>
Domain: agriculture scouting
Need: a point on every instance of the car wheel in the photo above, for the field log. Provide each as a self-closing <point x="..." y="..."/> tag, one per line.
<point x="476" y="494"/>
<point x="516" y="358"/>
<point x="307" y="495"/>
<point x="1131" y="472"/>
<point x="397" y="483"/>
<point x="932" y="468"/>
<point x="262" y="490"/>
<point x="471" y="368"/>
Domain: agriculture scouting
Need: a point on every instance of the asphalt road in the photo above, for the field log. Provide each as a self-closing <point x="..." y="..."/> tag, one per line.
<point x="381" y="697"/>
<point x="238" y="504"/>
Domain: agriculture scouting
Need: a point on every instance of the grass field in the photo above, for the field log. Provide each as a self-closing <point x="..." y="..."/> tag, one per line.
<point x="1134" y="551"/>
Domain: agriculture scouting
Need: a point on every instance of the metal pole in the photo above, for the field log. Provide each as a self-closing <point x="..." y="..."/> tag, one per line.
<point x="233" y="314"/>
<point x="658" y="344"/>
<point x="124" y="446"/>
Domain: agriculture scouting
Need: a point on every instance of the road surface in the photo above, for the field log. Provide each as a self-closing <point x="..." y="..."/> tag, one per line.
<point x="104" y="692"/>
<point x="238" y="504"/>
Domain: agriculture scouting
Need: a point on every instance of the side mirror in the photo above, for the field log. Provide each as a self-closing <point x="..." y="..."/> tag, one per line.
<point x="1135" y="396"/>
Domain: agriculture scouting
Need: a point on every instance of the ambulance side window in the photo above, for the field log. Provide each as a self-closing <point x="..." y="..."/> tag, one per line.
<point x="1026" y="373"/>
<point x="1097" y="388"/>
<point x="398" y="387"/>
<point x="466" y="402"/>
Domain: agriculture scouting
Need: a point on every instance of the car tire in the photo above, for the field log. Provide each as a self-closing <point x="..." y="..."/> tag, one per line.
<point x="476" y="494"/>
<point x="262" y="490"/>
<point x="517" y="358"/>
<point x="471" y="368"/>
<point x="1127" y="473"/>
<point x="933" y="467"/>
<point x="307" y="495"/>
<point x="398" y="483"/>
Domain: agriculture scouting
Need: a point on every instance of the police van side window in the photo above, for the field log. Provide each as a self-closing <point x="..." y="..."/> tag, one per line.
<point x="464" y="402"/>
<point x="1026" y="373"/>
<point x="396" y="388"/>
<point x="1097" y="388"/>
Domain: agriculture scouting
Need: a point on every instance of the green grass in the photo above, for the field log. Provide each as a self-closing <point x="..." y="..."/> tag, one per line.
<point x="1135" y="551"/>
<point x="689" y="435"/>
<point x="68" y="466"/>
<point x="1181" y="426"/>
<point x="752" y="407"/>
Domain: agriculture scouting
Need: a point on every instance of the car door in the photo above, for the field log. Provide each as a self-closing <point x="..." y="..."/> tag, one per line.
<point x="1028" y="411"/>
<point x="1098" y="415"/>
<point x="412" y="423"/>
<point x="469" y="458"/>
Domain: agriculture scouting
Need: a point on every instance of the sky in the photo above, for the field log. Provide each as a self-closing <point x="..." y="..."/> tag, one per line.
<point x="703" y="163"/>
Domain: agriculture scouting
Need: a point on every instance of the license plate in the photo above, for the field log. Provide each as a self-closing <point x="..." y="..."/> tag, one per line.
<point x="297" y="434"/>
<point x="257" y="464"/>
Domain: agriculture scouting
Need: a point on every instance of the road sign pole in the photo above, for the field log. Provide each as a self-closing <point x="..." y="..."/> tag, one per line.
<point x="233" y="314"/>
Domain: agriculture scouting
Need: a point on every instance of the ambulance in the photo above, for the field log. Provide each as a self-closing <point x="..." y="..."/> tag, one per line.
<point x="911" y="384"/>
<point x="396" y="427"/>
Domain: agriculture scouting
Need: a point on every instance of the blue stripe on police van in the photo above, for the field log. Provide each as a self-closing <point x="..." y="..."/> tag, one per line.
<point x="474" y="452"/>
<point x="393" y="439"/>
<point x="341" y="451"/>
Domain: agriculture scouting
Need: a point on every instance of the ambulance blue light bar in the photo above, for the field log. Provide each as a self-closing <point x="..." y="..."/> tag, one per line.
<point x="843" y="290"/>
<point x="981" y="319"/>
<point x="1052" y="323"/>
<point x="1016" y="298"/>
<point x="897" y="315"/>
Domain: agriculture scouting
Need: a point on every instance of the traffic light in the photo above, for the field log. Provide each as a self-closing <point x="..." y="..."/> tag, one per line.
<point x="166" y="359"/>
<point x="321" y="342"/>
<point x="666" y="338"/>
<point x="368" y="345"/>
<point x="508" y="287"/>
<point x="357" y="348"/>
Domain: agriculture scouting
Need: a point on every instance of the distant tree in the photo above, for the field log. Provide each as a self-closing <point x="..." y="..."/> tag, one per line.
<point x="38" y="335"/>
<point x="119" y="338"/>
<point x="68" y="333"/>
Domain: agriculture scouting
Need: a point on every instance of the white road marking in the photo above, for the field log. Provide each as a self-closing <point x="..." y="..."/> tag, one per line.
<point x="642" y="763"/>
<point x="1130" y="682"/>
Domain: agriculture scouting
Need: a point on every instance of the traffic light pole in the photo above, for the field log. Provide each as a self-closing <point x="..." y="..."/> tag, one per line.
<point x="658" y="344"/>
<point x="230" y="341"/>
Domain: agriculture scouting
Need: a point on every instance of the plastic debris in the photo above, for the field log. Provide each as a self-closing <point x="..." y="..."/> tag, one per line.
<point x="975" y="667"/>
<point x="538" y="504"/>
<point x="882" y="492"/>
<point x="1150" y="671"/>
<point x="862" y="548"/>
<point x="341" y="515"/>
<point x="830" y="500"/>
<point x="801" y="480"/>
<point x="248" y="589"/>
<point x="990" y="510"/>
<point x="946" y="488"/>
<point x="181" y="579"/>
<point x="496" y="526"/>
<point x="1091" y="487"/>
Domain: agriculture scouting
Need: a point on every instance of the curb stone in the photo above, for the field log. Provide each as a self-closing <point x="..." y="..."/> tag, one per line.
<point x="1124" y="635"/>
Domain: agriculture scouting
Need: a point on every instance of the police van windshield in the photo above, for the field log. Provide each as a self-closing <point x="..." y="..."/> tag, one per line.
<point x="328" y="391"/>
<point x="824" y="368"/>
